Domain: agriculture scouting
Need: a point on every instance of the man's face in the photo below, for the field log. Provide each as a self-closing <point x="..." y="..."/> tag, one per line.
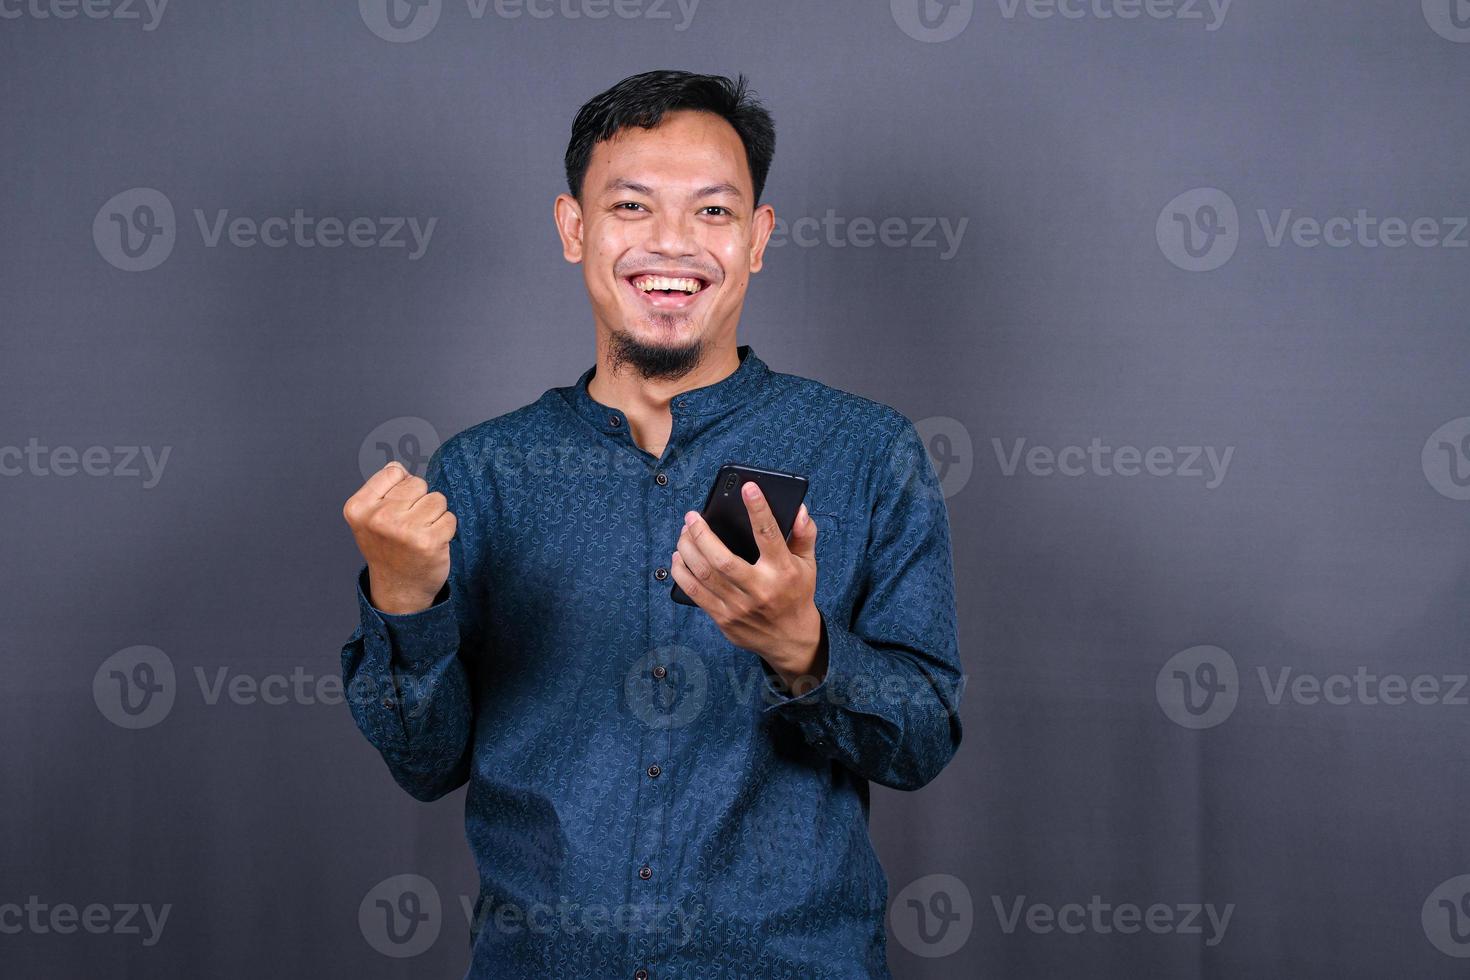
<point x="668" y="233"/>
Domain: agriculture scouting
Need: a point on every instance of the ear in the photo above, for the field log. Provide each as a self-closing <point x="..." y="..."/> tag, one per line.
<point x="763" y="223"/>
<point x="568" y="215"/>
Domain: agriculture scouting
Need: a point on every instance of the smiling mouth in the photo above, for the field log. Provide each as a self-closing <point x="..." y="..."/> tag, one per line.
<point x="668" y="292"/>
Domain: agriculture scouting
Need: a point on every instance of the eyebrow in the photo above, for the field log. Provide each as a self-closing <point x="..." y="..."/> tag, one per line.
<point x="622" y="183"/>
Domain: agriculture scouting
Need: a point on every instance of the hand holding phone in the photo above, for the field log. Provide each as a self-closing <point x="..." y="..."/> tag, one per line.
<point x="725" y="513"/>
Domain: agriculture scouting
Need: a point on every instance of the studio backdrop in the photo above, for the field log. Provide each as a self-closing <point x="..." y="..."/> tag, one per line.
<point x="1174" y="290"/>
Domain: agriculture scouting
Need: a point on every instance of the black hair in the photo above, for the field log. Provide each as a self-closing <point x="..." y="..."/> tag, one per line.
<point x="642" y="100"/>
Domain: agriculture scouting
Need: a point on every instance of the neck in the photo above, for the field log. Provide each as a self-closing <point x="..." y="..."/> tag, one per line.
<point x="645" y="401"/>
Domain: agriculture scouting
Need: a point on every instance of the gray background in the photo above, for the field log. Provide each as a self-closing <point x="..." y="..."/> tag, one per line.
<point x="1337" y="539"/>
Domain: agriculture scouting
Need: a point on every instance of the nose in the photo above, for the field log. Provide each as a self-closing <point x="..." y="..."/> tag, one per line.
<point x="671" y="234"/>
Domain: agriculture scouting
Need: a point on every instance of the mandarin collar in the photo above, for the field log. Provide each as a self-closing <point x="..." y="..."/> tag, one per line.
<point x="736" y="388"/>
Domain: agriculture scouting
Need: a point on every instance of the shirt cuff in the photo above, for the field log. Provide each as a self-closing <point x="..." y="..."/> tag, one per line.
<point x="845" y="685"/>
<point x="417" y="637"/>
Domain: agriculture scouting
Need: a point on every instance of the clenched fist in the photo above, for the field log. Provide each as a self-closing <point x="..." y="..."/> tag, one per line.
<point x="403" y="532"/>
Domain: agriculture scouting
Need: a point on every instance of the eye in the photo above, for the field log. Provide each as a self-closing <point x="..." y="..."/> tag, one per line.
<point x="626" y="204"/>
<point x="724" y="212"/>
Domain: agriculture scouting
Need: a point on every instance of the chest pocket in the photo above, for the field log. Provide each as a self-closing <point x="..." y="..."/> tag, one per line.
<point x="838" y="560"/>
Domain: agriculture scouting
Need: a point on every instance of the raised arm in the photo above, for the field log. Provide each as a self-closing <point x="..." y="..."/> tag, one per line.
<point x="405" y="682"/>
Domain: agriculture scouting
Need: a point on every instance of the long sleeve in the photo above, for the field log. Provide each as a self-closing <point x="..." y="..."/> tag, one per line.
<point x="888" y="705"/>
<point x="405" y="681"/>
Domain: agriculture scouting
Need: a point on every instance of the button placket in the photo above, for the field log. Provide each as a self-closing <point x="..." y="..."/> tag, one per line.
<point x="649" y="851"/>
<point x="652" y="878"/>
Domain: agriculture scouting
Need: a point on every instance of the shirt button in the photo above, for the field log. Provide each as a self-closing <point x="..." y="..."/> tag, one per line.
<point x="640" y="974"/>
<point x="661" y="574"/>
<point x="653" y="771"/>
<point x="659" y="671"/>
<point x="614" y="421"/>
<point x="645" y="872"/>
<point x="661" y="478"/>
<point x="387" y="702"/>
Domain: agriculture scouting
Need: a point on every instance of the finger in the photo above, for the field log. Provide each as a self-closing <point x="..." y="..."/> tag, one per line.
<point x="734" y="569"/>
<point x="768" y="537"/>
<point x="446" y="525"/>
<point x="382" y="481"/>
<point x="694" y="589"/>
<point x="428" y="508"/>
<point x="407" y="490"/>
<point x="803" y="543"/>
<point x="701" y="567"/>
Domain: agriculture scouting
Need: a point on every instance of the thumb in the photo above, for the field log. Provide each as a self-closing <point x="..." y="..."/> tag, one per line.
<point x="803" y="540"/>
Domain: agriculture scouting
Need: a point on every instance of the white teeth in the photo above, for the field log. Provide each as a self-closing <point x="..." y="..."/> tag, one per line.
<point x="650" y="283"/>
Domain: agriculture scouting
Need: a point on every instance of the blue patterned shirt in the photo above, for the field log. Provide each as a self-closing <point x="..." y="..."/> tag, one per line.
<point x="645" y="799"/>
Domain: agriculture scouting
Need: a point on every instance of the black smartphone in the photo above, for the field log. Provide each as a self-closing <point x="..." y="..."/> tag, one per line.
<point x="725" y="513"/>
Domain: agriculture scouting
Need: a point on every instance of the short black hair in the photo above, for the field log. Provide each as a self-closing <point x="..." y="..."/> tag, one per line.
<point x="642" y="100"/>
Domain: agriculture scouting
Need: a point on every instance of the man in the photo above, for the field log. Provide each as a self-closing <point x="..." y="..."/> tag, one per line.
<point x="655" y="789"/>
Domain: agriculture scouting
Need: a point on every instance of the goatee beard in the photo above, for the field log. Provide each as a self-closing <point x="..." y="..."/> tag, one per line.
<point x="653" y="361"/>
